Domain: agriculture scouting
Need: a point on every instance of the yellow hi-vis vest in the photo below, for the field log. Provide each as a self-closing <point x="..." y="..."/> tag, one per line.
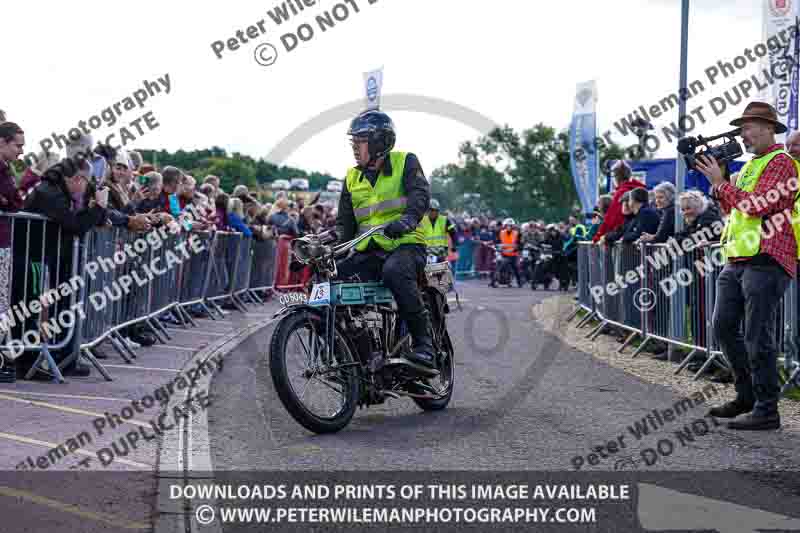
<point x="435" y="232"/>
<point x="581" y="227"/>
<point x="381" y="204"/>
<point x="742" y="234"/>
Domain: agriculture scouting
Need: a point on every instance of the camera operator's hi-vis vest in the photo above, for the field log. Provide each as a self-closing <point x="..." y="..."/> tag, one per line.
<point x="435" y="232"/>
<point x="381" y="204"/>
<point x="742" y="234"/>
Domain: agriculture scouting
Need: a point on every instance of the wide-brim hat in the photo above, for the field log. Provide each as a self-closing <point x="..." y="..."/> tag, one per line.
<point x="760" y="111"/>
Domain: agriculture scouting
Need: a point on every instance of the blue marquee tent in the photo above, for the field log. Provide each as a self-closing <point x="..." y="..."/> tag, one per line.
<point x="654" y="171"/>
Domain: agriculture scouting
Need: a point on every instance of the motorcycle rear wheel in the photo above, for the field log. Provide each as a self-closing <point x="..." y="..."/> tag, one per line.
<point x="305" y="329"/>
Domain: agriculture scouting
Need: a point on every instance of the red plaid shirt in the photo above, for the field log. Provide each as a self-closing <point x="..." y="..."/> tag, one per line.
<point x="781" y="245"/>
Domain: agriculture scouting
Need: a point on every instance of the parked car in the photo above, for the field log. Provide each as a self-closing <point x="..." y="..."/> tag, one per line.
<point x="335" y="186"/>
<point x="299" y="184"/>
<point x="280" y="185"/>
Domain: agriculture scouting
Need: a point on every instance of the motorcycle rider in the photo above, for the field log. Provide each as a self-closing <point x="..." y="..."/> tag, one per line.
<point x="528" y="238"/>
<point x="547" y="270"/>
<point x="509" y="243"/>
<point x="577" y="232"/>
<point x="388" y="187"/>
<point x="436" y="230"/>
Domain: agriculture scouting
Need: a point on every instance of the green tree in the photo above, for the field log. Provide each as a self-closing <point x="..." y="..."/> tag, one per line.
<point x="231" y="172"/>
<point x="233" y="169"/>
<point x="526" y="175"/>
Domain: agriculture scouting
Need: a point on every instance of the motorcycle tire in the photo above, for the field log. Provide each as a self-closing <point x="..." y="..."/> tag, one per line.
<point x="348" y="378"/>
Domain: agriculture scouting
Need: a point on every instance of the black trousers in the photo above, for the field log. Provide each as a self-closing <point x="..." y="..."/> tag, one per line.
<point x="749" y="295"/>
<point x="398" y="270"/>
<point x="512" y="261"/>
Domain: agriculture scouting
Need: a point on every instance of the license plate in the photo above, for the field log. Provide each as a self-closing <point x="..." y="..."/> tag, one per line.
<point x="526" y="254"/>
<point x="320" y="294"/>
<point x="292" y="298"/>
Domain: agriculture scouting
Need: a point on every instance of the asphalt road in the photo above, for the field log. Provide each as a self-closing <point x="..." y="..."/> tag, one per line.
<point x="530" y="404"/>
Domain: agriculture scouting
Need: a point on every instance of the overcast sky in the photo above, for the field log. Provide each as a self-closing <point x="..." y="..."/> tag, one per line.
<point x="516" y="62"/>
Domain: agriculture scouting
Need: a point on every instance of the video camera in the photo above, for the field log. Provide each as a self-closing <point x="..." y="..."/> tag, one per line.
<point x="727" y="151"/>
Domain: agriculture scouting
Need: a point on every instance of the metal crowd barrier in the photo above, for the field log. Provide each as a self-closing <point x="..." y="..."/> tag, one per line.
<point x="113" y="279"/>
<point x="791" y="334"/>
<point x="698" y="273"/>
<point x="32" y="272"/>
<point x="223" y="266"/>
<point x="484" y="258"/>
<point x="243" y="269"/>
<point x="616" y="305"/>
<point x="646" y="306"/>
<point x="127" y="281"/>
<point x="585" y="300"/>
<point x="262" y="275"/>
<point x="196" y="272"/>
<point x="465" y="265"/>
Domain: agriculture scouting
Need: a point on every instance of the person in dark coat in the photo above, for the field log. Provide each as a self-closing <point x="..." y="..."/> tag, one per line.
<point x="51" y="243"/>
<point x="645" y="220"/>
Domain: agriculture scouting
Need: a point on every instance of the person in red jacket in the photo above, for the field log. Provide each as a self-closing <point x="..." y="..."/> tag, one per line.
<point x="624" y="183"/>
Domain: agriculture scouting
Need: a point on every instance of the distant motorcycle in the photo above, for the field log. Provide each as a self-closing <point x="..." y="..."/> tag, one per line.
<point x="551" y="265"/>
<point x="530" y="255"/>
<point x="502" y="267"/>
<point x="542" y="269"/>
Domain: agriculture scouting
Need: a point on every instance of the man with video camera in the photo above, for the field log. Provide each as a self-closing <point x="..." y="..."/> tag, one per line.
<point x="761" y="259"/>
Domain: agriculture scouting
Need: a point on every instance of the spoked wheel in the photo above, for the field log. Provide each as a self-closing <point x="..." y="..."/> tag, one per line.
<point x="440" y="387"/>
<point x="320" y="394"/>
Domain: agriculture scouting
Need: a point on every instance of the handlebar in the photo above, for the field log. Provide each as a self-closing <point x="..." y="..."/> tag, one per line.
<point x="347" y="246"/>
<point x="312" y="247"/>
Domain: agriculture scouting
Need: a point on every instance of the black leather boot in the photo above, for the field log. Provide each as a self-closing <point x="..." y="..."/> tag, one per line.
<point x="421" y="358"/>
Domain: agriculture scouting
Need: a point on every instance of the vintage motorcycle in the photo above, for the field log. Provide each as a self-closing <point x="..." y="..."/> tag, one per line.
<point x="542" y="269"/>
<point x="502" y="265"/>
<point x="530" y="255"/>
<point x="436" y="255"/>
<point x="343" y="342"/>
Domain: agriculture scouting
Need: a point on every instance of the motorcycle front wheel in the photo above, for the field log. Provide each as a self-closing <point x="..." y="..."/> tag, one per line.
<point x="320" y="394"/>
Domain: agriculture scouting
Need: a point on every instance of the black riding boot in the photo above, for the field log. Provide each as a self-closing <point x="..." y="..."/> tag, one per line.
<point x="421" y="357"/>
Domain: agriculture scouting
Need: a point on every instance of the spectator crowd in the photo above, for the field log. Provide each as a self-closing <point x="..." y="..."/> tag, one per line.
<point x="97" y="185"/>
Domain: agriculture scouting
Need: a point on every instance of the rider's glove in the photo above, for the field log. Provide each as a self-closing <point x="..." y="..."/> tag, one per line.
<point x="397" y="229"/>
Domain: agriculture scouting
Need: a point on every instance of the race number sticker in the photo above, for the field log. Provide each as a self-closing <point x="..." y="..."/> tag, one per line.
<point x="320" y="294"/>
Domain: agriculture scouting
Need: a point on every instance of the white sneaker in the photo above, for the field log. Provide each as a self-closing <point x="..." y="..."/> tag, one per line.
<point x="132" y="345"/>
